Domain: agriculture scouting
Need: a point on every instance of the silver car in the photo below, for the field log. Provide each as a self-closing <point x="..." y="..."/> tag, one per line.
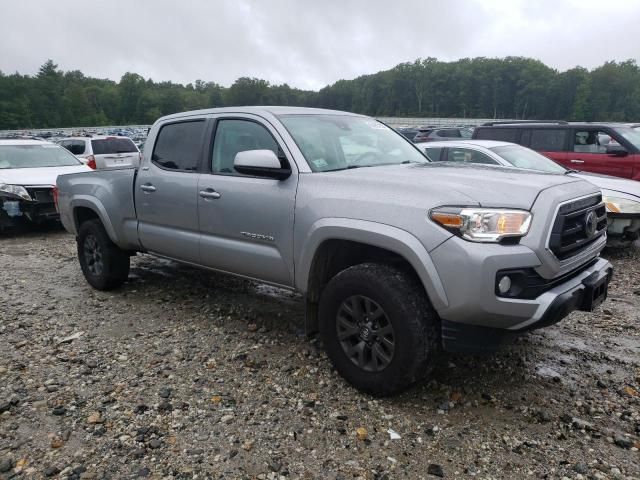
<point x="621" y="196"/>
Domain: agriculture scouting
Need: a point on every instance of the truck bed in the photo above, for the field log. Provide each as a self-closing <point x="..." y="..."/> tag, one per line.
<point x="106" y="193"/>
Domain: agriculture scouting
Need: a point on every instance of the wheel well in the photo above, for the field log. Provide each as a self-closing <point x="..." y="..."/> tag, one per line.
<point x="83" y="214"/>
<point x="332" y="257"/>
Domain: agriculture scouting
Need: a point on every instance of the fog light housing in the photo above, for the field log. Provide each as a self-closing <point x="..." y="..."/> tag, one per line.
<point x="504" y="285"/>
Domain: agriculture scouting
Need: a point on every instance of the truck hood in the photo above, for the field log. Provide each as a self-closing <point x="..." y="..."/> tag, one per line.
<point x="38" y="176"/>
<point x="614" y="184"/>
<point x="464" y="184"/>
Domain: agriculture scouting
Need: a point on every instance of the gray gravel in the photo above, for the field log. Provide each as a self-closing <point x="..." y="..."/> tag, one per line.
<point x="189" y="374"/>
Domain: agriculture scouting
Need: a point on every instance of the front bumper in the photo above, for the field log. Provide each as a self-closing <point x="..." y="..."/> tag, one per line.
<point x="623" y="226"/>
<point x="583" y="292"/>
<point x="467" y="272"/>
<point x="14" y="212"/>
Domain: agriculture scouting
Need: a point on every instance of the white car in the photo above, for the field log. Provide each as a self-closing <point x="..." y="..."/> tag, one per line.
<point x="621" y="196"/>
<point x="28" y="172"/>
<point x="103" y="151"/>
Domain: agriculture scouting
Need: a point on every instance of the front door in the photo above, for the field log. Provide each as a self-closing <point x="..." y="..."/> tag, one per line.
<point x="588" y="152"/>
<point x="246" y="222"/>
<point x="166" y="192"/>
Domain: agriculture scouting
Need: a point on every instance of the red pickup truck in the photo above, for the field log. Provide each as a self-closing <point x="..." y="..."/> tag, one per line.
<point x="610" y="149"/>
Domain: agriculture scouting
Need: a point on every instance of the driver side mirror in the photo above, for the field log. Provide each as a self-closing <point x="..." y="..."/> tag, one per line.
<point x="260" y="163"/>
<point x="617" y="150"/>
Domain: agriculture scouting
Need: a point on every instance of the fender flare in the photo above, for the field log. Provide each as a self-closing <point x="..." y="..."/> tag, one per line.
<point x="92" y="203"/>
<point x="378" y="235"/>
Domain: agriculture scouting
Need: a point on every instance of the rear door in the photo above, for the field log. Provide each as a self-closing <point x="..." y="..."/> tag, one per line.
<point x="113" y="152"/>
<point x="247" y="222"/>
<point x="589" y="153"/>
<point x="166" y="191"/>
<point x="550" y="142"/>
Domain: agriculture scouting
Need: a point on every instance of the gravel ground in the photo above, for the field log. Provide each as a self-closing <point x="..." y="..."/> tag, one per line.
<point x="188" y="374"/>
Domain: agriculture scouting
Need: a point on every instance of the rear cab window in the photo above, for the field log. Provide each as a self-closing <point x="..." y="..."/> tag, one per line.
<point x="547" y="140"/>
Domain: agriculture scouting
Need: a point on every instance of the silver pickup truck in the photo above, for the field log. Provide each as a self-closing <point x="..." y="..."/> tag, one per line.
<point x="397" y="257"/>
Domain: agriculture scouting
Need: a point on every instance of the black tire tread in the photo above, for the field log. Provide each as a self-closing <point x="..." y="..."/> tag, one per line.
<point x="116" y="261"/>
<point x="416" y="311"/>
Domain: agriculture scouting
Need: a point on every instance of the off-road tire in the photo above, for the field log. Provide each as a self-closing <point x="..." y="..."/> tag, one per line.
<point x="407" y="308"/>
<point x="114" y="268"/>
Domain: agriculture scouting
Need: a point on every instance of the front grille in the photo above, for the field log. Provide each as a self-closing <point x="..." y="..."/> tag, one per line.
<point x="576" y="227"/>
<point x="41" y="194"/>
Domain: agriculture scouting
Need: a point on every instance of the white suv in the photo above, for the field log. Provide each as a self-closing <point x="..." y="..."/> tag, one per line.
<point x="100" y="151"/>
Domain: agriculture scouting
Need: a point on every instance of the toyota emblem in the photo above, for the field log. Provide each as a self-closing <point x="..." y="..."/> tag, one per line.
<point x="590" y="224"/>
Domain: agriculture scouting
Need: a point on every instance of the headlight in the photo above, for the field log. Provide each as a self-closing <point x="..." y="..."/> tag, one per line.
<point x="16" y="190"/>
<point x="483" y="224"/>
<point x="621" y="205"/>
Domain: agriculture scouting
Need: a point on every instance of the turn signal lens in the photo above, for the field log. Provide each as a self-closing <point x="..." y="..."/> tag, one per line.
<point x="483" y="225"/>
<point x="447" y="220"/>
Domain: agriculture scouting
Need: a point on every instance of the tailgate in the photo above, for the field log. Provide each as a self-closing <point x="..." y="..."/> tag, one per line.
<point x="117" y="160"/>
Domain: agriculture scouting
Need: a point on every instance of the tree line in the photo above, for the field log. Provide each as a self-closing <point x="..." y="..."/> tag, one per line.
<point x="511" y="87"/>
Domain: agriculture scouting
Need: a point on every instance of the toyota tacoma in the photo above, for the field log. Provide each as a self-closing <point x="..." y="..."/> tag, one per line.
<point x="397" y="257"/>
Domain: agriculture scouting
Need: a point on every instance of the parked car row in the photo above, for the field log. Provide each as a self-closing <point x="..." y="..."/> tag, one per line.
<point x="434" y="134"/>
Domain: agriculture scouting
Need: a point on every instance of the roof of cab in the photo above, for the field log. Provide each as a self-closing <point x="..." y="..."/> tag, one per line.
<point x="259" y="110"/>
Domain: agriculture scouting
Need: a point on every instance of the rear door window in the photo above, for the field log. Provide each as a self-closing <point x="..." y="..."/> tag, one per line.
<point x="77" y="147"/>
<point x="548" y="140"/>
<point x="501" y="134"/>
<point x="106" y="146"/>
<point x="434" y="153"/>
<point x="179" y="146"/>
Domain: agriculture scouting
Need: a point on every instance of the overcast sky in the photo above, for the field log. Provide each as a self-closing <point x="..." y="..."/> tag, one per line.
<point x="305" y="43"/>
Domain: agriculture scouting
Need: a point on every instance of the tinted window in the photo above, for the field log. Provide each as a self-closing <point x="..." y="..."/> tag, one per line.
<point x="502" y="134"/>
<point x="179" y="145"/>
<point x="77" y="147"/>
<point x="449" y="133"/>
<point x="113" y="145"/>
<point x="433" y="153"/>
<point x="591" y="141"/>
<point x="464" y="155"/>
<point x="548" y="140"/>
<point x="234" y="136"/>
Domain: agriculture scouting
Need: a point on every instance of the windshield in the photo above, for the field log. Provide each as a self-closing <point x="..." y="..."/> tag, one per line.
<point x="522" y="157"/>
<point x="630" y="135"/>
<point x="34" y="156"/>
<point x="338" y="142"/>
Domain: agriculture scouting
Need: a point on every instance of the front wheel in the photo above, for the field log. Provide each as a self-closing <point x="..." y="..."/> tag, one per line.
<point x="104" y="265"/>
<point x="378" y="327"/>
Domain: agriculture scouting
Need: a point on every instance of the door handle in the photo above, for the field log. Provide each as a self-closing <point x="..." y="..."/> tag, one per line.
<point x="147" y="188"/>
<point x="210" y="193"/>
<point x="576" y="161"/>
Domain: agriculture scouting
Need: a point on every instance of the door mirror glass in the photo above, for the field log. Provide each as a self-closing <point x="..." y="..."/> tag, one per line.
<point x="616" y="150"/>
<point x="260" y="163"/>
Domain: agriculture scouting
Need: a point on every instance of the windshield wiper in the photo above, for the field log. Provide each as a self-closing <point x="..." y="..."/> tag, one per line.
<point x="571" y="170"/>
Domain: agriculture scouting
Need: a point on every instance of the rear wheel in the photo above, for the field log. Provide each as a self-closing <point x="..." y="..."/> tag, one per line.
<point x="104" y="265"/>
<point x="378" y="328"/>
